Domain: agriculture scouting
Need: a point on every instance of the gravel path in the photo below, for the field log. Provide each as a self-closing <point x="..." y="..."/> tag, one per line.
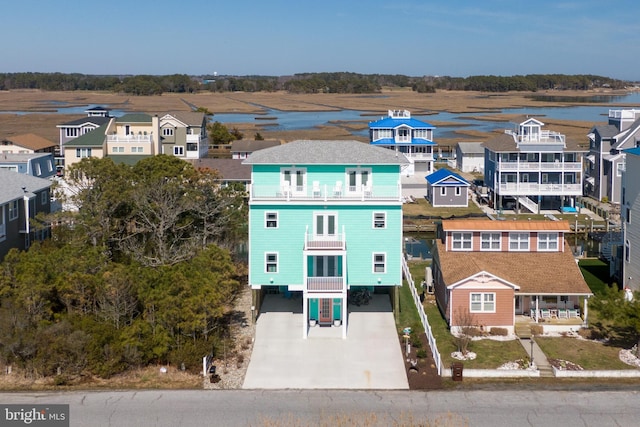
<point x="233" y="370"/>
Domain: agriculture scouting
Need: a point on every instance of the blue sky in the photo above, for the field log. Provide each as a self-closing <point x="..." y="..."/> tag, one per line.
<point x="280" y="37"/>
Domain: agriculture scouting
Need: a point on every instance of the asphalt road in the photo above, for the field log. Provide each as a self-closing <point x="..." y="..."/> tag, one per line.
<point x="343" y="408"/>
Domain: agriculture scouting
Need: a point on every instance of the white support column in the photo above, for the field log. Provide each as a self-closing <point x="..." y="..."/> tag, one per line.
<point x="537" y="311"/>
<point x="305" y="314"/>
<point x="344" y="315"/>
<point x="585" y="319"/>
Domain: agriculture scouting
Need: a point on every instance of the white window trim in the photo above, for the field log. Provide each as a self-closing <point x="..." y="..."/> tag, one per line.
<point x="490" y="240"/>
<point x="167" y="131"/>
<point x="178" y="150"/>
<point x="519" y="242"/>
<point x="44" y="197"/>
<point x="14" y="210"/>
<point x="358" y="187"/>
<point x="443" y="191"/>
<point x="383" y="262"/>
<point x="483" y="302"/>
<point x="293" y="184"/>
<point x="267" y="262"/>
<point x="545" y="245"/>
<point x="267" y="220"/>
<point x="378" y="220"/>
<point x="463" y="238"/>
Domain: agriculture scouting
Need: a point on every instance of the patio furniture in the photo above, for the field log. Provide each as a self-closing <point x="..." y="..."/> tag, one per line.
<point x="316" y="189"/>
<point x="553" y="313"/>
<point x="563" y="313"/>
<point x="573" y="312"/>
<point x="545" y="313"/>
<point x="337" y="190"/>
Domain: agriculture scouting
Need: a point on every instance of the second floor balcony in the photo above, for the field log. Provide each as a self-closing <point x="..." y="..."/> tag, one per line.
<point x="326" y="284"/>
<point x="326" y="192"/>
<point x="131" y="138"/>
<point x="534" y="188"/>
<point x="517" y="166"/>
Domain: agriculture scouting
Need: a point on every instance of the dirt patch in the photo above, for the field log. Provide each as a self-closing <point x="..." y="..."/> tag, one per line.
<point x="421" y="371"/>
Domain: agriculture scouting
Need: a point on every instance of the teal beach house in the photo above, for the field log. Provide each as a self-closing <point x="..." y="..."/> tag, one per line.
<point x="325" y="220"/>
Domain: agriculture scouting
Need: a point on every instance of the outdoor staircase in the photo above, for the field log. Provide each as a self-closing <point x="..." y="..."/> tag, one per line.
<point x="523" y="330"/>
<point x="529" y="204"/>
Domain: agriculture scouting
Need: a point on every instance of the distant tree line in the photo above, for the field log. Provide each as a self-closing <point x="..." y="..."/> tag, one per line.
<point x="338" y="82"/>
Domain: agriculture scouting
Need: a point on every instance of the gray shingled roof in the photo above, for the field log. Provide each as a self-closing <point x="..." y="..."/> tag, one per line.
<point x="13" y="183"/>
<point x="94" y="120"/>
<point x="471" y="147"/>
<point x="606" y="131"/>
<point x="189" y="118"/>
<point x="322" y="152"/>
<point x="21" y="157"/>
<point x="250" y="145"/>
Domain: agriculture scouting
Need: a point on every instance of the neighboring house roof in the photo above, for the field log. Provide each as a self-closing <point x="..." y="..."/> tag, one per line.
<point x="188" y="118"/>
<point x="605" y="131"/>
<point x="128" y="159"/>
<point x="250" y="145"/>
<point x="391" y="122"/>
<point x="229" y="169"/>
<point x="444" y="177"/>
<point x="505" y="142"/>
<point x="325" y="152"/>
<point x="94" y="138"/>
<point x="635" y="151"/>
<point x="16" y="185"/>
<point x="134" y="118"/>
<point x="537" y="273"/>
<point x="30" y="141"/>
<point x="631" y="133"/>
<point x="94" y="120"/>
<point x="471" y="147"/>
<point x="488" y="224"/>
<point x="21" y="157"/>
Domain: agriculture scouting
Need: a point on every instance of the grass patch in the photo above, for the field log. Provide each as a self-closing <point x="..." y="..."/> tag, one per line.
<point x="591" y="355"/>
<point x="595" y="273"/>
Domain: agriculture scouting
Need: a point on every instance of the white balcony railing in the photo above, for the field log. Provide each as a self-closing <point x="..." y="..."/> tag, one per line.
<point x="335" y="241"/>
<point x="194" y="139"/>
<point x="326" y="284"/>
<point x="532" y="189"/>
<point x="335" y="192"/>
<point x="538" y="166"/>
<point x="130" y="138"/>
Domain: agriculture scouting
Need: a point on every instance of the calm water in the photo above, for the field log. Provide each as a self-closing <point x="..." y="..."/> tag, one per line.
<point x="295" y="120"/>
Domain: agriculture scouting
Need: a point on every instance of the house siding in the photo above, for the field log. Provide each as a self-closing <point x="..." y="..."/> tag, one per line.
<point x="288" y="240"/>
<point x="504" y="303"/>
<point x="630" y="212"/>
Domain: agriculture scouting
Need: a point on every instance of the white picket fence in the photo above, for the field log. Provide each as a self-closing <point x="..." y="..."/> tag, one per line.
<point x="423" y="317"/>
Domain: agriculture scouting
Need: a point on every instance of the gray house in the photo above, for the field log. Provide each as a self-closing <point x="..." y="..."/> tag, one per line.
<point x="40" y="165"/>
<point x="22" y="197"/>
<point x="629" y="267"/>
<point x="447" y="189"/>
<point x="606" y="159"/>
<point x="470" y="156"/>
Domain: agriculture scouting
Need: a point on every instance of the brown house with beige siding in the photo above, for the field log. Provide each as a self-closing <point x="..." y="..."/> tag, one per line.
<point x="495" y="273"/>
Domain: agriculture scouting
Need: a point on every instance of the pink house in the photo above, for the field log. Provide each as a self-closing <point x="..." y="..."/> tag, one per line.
<point x="503" y="273"/>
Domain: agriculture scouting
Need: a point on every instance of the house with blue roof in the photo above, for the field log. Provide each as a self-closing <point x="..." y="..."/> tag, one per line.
<point x="447" y="189"/>
<point x="325" y="222"/>
<point x="408" y="136"/>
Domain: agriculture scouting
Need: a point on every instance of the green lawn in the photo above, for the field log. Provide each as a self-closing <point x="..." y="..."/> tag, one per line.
<point x="491" y="354"/>
<point x="596" y="274"/>
<point x="588" y="354"/>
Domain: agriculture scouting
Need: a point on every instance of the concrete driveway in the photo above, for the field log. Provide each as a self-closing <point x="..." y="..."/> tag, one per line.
<point x="369" y="358"/>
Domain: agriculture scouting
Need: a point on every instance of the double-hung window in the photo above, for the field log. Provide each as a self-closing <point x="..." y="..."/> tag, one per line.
<point x="13" y="210"/>
<point x="379" y="262"/>
<point x="482" y="302"/>
<point x="178" y="150"/>
<point x="271" y="262"/>
<point x="461" y="241"/>
<point x="490" y="241"/>
<point x="518" y="241"/>
<point x="379" y="220"/>
<point x="271" y="219"/>
<point x="547" y="241"/>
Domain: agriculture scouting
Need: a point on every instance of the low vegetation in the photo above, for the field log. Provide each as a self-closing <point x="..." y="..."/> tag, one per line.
<point x="141" y="274"/>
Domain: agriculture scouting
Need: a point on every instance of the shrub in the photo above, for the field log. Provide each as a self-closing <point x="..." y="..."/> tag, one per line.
<point x="421" y="354"/>
<point x="537" y="330"/>
<point x="501" y="332"/>
<point x="473" y="332"/>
